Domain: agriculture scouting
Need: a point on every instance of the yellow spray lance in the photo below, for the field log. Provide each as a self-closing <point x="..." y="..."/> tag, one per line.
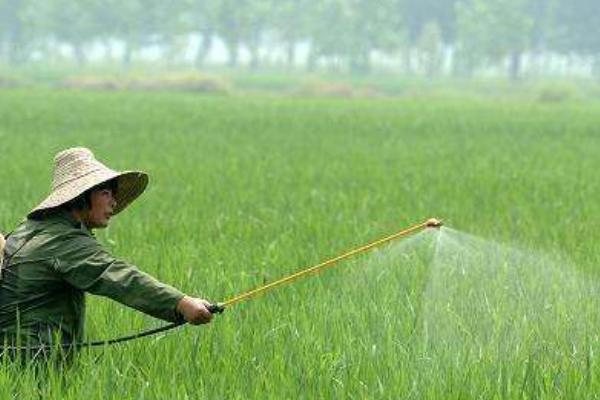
<point x="220" y="307"/>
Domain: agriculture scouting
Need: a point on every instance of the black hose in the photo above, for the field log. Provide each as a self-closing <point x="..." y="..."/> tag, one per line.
<point x="213" y="308"/>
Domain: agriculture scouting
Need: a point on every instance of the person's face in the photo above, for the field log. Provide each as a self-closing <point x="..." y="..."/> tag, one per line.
<point x="102" y="207"/>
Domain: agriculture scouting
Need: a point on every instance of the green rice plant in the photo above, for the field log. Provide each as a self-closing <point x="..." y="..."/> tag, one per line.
<point x="245" y="190"/>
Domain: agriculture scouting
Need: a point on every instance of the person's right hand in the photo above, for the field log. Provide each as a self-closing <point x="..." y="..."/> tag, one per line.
<point x="194" y="310"/>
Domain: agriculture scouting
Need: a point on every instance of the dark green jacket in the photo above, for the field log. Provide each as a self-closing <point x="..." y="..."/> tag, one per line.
<point x="51" y="264"/>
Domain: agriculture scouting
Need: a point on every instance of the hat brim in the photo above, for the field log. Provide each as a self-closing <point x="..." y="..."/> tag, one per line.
<point x="130" y="185"/>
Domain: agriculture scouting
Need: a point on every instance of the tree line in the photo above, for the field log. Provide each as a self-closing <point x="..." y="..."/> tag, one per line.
<point x="425" y="35"/>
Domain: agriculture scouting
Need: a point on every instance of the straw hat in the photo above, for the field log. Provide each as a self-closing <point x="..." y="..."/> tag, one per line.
<point x="77" y="170"/>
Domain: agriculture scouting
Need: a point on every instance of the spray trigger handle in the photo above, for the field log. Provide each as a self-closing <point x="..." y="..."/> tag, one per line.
<point x="216" y="308"/>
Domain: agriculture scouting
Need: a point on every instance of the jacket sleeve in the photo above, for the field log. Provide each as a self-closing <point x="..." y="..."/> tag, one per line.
<point x="86" y="265"/>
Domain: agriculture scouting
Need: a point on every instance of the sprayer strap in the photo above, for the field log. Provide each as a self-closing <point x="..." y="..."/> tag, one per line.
<point x="8" y="257"/>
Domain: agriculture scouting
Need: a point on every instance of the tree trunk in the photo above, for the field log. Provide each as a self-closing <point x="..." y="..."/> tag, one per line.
<point x="4" y="50"/>
<point x="514" y="69"/>
<point x="108" y="51"/>
<point x="254" y="57"/>
<point x="463" y="64"/>
<point x="311" y="61"/>
<point x="596" y="66"/>
<point x="13" y="45"/>
<point x="233" y="50"/>
<point x="291" y="54"/>
<point x="127" y="55"/>
<point x="204" y="47"/>
<point x="407" y="61"/>
<point x="253" y="43"/>
<point x="536" y="68"/>
<point x="79" y="54"/>
<point x="360" y="63"/>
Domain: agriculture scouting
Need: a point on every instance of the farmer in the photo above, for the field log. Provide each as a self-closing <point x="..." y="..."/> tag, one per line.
<point x="52" y="258"/>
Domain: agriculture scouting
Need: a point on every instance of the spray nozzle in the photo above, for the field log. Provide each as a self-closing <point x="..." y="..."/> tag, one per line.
<point x="216" y="308"/>
<point x="434" y="223"/>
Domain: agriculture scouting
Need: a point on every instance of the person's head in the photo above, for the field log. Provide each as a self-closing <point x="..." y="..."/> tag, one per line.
<point x="95" y="206"/>
<point x="88" y="189"/>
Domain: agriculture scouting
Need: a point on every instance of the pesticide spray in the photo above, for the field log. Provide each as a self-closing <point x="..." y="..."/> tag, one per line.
<point x="488" y="302"/>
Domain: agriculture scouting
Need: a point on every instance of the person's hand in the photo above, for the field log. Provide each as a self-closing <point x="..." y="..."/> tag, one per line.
<point x="194" y="310"/>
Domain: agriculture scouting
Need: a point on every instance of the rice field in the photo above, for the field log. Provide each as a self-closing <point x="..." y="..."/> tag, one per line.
<point x="245" y="189"/>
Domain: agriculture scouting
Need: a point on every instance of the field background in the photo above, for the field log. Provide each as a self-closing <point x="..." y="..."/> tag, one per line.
<point x="247" y="188"/>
